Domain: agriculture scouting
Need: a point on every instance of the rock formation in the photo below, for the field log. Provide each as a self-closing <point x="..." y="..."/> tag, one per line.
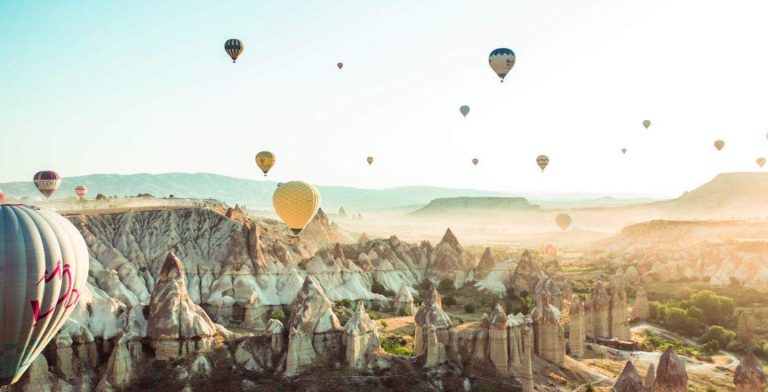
<point x="498" y="339"/>
<point x="526" y="275"/>
<point x="629" y="380"/>
<point x="342" y="212"/>
<point x="576" y="333"/>
<point x="548" y="335"/>
<point x="486" y="264"/>
<point x="650" y="378"/>
<point x="640" y="309"/>
<point x="176" y="324"/>
<point x="617" y="311"/>
<point x="448" y="260"/>
<point x="321" y="230"/>
<point x="432" y="325"/>
<point x="361" y="337"/>
<point x="363" y="238"/>
<point x="312" y="327"/>
<point x="403" y="304"/>
<point x="750" y="376"/>
<point x="599" y="305"/>
<point x="546" y="287"/>
<point x="671" y="375"/>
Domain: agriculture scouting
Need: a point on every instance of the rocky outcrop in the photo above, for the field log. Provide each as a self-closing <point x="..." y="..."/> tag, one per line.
<point x="650" y="378"/>
<point x="342" y="212"/>
<point x="576" y="332"/>
<point x="599" y="307"/>
<point x="671" y="375"/>
<point x="629" y="380"/>
<point x="546" y="287"/>
<point x="361" y="338"/>
<point x="527" y="274"/>
<point x="640" y="309"/>
<point x="432" y="326"/>
<point x="448" y="260"/>
<point x="617" y="311"/>
<point x="363" y="238"/>
<point x="403" y="304"/>
<point x="321" y="230"/>
<point x="548" y="334"/>
<point x="176" y="324"/>
<point x="487" y="262"/>
<point x="750" y="376"/>
<point x="314" y="330"/>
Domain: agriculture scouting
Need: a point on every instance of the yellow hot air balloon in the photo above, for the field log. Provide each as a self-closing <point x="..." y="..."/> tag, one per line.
<point x="760" y="161"/>
<point x="296" y="202"/>
<point x="265" y="160"/>
<point x="719" y="144"/>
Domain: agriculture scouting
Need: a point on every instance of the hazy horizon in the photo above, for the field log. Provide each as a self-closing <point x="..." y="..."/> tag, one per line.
<point x="87" y="91"/>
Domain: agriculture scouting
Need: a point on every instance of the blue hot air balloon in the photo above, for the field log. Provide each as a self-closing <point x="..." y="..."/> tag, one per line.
<point x="502" y="60"/>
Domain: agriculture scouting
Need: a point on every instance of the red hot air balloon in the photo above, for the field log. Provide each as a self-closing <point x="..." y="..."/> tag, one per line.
<point x="2" y="197"/>
<point x="81" y="191"/>
<point x="549" y="250"/>
<point x="47" y="182"/>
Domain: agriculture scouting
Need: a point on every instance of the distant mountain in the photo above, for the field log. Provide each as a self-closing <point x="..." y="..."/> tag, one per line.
<point x="255" y="194"/>
<point x="475" y="204"/>
<point x="727" y="195"/>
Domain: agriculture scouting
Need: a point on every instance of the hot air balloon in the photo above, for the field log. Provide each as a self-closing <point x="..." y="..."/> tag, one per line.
<point x="564" y="221"/>
<point x="549" y="250"/>
<point x="475" y="161"/>
<point x="47" y="182"/>
<point x="2" y="197"/>
<point x="719" y="144"/>
<point x="623" y="150"/>
<point x="646" y="123"/>
<point x="233" y="47"/>
<point x="369" y="160"/>
<point x="45" y="268"/>
<point x="542" y="161"/>
<point x="296" y="202"/>
<point x="760" y="161"/>
<point x="340" y="65"/>
<point x="81" y="191"/>
<point x="464" y="110"/>
<point x="265" y="160"/>
<point x="501" y="60"/>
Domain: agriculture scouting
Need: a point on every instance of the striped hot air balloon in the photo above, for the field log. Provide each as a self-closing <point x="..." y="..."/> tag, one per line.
<point x="81" y="191"/>
<point x="47" y="182"/>
<point x="233" y="47"/>
<point x="45" y="268"/>
<point x="296" y="203"/>
<point x="501" y="60"/>
<point x="542" y="161"/>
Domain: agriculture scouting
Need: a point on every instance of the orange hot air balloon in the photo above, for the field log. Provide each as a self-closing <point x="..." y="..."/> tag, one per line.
<point x="760" y="161"/>
<point x="719" y="144"/>
<point x="564" y="221"/>
<point x="296" y="203"/>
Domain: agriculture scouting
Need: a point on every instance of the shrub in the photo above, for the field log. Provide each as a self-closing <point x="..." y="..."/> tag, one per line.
<point x="375" y="306"/>
<point x="449" y="301"/>
<point x="403" y="312"/>
<point x="711" y="347"/>
<point x="345" y="303"/>
<point x="395" y="345"/>
<point x="379" y="288"/>
<point x="719" y="334"/>
<point x="279" y="315"/>
<point x="445" y="285"/>
<point x="469" y="308"/>
<point x="384" y="324"/>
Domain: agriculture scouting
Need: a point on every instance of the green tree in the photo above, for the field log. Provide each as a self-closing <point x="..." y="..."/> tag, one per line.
<point x="445" y="285"/>
<point x="449" y="301"/>
<point x="719" y="334"/>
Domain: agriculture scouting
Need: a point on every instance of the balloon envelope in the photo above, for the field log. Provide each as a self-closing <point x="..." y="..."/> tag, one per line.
<point x="47" y="182"/>
<point x="719" y="144"/>
<point x="542" y="161"/>
<point x="45" y="268"/>
<point x="760" y="161"/>
<point x="296" y="203"/>
<point x="549" y="250"/>
<point x="340" y="65"/>
<point x="369" y="160"/>
<point x="623" y="150"/>
<point x="501" y="61"/>
<point x="2" y="197"/>
<point x="464" y="110"/>
<point x="563" y="220"/>
<point x="81" y="191"/>
<point x="234" y="47"/>
<point x="475" y="161"/>
<point x="646" y="123"/>
<point x="265" y="160"/>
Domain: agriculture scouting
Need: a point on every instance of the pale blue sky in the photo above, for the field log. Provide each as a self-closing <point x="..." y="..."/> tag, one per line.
<point x="125" y="87"/>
